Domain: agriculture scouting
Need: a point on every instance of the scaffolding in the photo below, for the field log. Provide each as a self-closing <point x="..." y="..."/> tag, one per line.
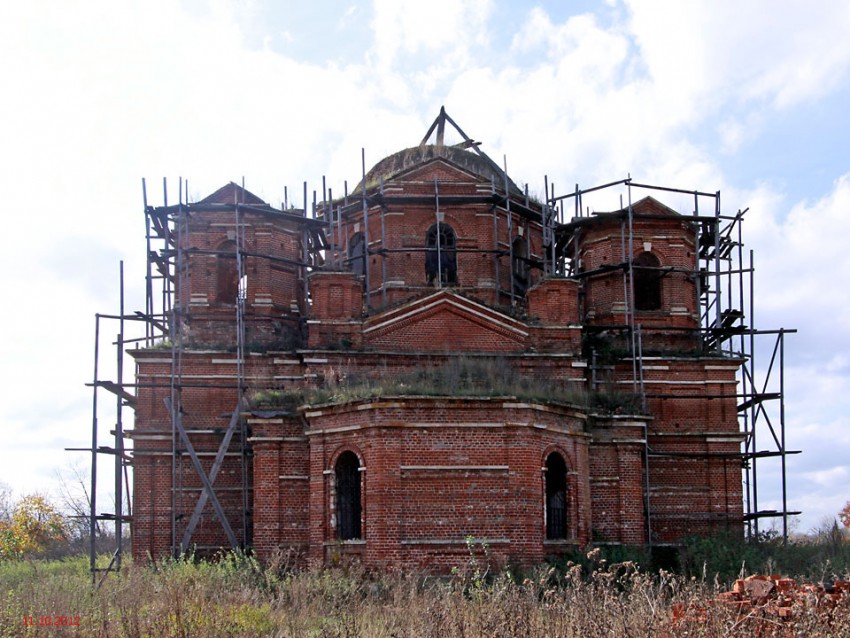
<point x="724" y="277"/>
<point x="513" y="212"/>
<point x="124" y="397"/>
<point x="167" y="309"/>
<point x="722" y="272"/>
<point x="166" y="316"/>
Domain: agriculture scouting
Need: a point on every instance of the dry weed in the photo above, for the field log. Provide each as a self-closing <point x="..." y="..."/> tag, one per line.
<point x="237" y="597"/>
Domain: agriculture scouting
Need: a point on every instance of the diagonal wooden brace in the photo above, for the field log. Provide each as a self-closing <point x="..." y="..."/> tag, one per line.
<point x="208" y="493"/>
<point x="219" y="460"/>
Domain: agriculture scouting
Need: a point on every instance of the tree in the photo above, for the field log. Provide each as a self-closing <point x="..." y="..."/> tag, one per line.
<point x="33" y="527"/>
<point x="844" y="514"/>
<point x="75" y="500"/>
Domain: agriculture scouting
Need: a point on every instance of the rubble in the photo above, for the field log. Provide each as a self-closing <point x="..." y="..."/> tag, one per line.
<point x="768" y="605"/>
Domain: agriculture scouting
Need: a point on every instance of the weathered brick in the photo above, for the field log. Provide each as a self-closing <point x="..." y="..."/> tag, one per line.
<point x="437" y="470"/>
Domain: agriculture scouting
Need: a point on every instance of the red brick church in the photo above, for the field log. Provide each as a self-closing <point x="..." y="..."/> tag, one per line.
<point x="432" y="357"/>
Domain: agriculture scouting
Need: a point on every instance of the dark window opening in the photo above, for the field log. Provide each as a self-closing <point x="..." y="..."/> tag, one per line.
<point x="227" y="275"/>
<point x="647" y="282"/>
<point x="348" y="506"/>
<point x="520" y="265"/>
<point x="357" y="254"/>
<point x="441" y="255"/>
<point x="556" y="497"/>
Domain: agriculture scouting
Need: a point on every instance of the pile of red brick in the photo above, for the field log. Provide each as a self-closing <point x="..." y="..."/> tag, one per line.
<point x="762" y="602"/>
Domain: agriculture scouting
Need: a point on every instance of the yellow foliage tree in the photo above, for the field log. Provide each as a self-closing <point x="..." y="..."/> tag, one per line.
<point x="33" y="526"/>
<point x="844" y="515"/>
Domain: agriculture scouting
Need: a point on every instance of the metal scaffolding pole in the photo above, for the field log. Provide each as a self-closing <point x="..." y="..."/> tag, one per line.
<point x="119" y="432"/>
<point x="721" y="322"/>
<point x="93" y="504"/>
<point x="368" y="291"/>
<point x="439" y="239"/>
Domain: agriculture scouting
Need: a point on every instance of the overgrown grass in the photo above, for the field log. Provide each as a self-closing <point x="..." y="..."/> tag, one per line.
<point x="822" y="555"/>
<point x="236" y="596"/>
<point x="457" y="377"/>
<point x="814" y="558"/>
<point x="15" y="573"/>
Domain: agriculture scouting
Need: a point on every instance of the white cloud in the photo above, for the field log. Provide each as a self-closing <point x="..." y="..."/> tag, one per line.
<point x="802" y="270"/>
<point x="578" y="45"/>
<point x="344" y="19"/>
<point x="445" y="29"/>
<point x="582" y="109"/>
<point x="806" y="257"/>
<point x="704" y="55"/>
<point x="537" y="32"/>
<point x="103" y="94"/>
<point x="801" y="264"/>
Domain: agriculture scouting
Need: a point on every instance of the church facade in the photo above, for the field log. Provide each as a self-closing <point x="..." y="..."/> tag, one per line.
<point x="433" y="360"/>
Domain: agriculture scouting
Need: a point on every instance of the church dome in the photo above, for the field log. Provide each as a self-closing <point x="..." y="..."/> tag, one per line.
<point x="464" y="155"/>
<point x="400" y="162"/>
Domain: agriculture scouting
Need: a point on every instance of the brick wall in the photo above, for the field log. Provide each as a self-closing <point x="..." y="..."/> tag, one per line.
<point x="606" y="287"/>
<point x="398" y="225"/>
<point x="435" y="470"/>
<point x="273" y="288"/>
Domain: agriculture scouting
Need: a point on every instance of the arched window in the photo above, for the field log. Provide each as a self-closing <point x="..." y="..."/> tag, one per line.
<point x="441" y="255"/>
<point x="520" y="265"/>
<point x="348" y="506"/>
<point x="647" y="282"/>
<point x="357" y="254"/>
<point x="556" y="497"/>
<point x="227" y="276"/>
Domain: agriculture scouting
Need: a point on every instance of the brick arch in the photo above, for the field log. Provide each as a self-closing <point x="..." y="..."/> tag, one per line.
<point x="426" y="221"/>
<point x="559" y="507"/>
<point x="342" y="449"/>
<point x="554" y="447"/>
<point x="347" y="510"/>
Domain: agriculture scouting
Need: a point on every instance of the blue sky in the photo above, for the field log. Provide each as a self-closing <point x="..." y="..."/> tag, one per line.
<point x="746" y="98"/>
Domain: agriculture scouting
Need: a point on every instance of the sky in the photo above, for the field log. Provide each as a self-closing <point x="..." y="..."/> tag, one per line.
<point x="746" y="98"/>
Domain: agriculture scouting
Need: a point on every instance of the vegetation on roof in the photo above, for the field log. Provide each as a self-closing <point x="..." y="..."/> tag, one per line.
<point x="406" y="159"/>
<point x="458" y="377"/>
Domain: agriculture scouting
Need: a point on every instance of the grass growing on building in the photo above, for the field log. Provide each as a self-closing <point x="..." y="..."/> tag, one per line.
<point x="479" y="377"/>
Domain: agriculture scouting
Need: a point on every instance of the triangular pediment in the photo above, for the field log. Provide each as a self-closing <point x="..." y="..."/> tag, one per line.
<point x="232" y="194"/>
<point x="650" y="206"/>
<point x="444" y="322"/>
<point x="439" y="169"/>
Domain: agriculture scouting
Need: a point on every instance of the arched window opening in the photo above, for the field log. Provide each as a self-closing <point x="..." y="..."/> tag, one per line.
<point x="348" y="506"/>
<point x="441" y="255"/>
<point x="227" y="276"/>
<point x="357" y="254"/>
<point x="647" y="282"/>
<point x="556" y="497"/>
<point x="520" y="265"/>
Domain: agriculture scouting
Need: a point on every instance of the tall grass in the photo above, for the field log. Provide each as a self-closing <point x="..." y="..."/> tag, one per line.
<point x="822" y="555"/>
<point x="236" y="596"/>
